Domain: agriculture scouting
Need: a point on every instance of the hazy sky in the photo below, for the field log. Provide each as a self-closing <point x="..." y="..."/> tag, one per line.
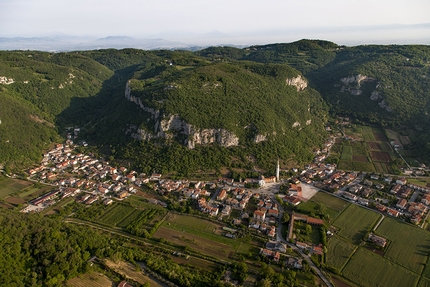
<point x="152" y="18"/>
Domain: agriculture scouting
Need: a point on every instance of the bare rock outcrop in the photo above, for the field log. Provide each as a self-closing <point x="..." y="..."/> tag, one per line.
<point x="169" y="126"/>
<point x="300" y="83"/>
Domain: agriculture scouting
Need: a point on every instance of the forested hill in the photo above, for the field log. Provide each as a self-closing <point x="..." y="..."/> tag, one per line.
<point x="35" y="87"/>
<point x="214" y="108"/>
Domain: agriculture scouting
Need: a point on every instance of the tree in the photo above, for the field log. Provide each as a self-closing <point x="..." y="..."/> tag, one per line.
<point x="308" y="229"/>
<point x="285" y="217"/>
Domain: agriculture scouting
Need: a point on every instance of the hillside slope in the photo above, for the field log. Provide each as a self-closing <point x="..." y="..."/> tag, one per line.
<point x="35" y="87"/>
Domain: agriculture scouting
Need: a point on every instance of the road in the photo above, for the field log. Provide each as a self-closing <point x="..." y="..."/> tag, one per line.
<point x="299" y="251"/>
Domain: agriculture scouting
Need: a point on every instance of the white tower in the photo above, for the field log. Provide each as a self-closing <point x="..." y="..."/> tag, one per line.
<point x="277" y="171"/>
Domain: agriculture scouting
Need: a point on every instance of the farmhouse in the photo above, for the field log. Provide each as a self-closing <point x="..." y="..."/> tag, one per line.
<point x="294" y="262"/>
<point x="377" y="240"/>
<point x="273" y="255"/>
<point x="317" y="250"/>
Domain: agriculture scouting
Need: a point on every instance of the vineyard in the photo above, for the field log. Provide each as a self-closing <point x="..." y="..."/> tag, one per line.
<point x="138" y="221"/>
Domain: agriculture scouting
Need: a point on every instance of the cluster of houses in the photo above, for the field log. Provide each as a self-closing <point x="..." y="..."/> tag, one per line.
<point x="74" y="173"/>
<point x="265" y="216"/>
<point x="407" y="204"/>
<point x="321" y="154"/>
<point x="273" y="251"/>
<point x="227" y="199"/>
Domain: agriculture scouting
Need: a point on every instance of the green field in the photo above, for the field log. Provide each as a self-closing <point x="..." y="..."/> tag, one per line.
<point x="330" y="201"/>
<point x="382" y="167"/>
<point x="116" y="214"/>
<point x="130" y="218"/>
<point x="367" y="133"/>
<point x="11" y="185"/>
<point x="359" y="148"/>
<point x="204" y="236"/>
<point x="346" y="153"/>
<point x="338" y="252"/>
<point x="355" y="165"/>
<point x="138" y="201"/>
<point x="191" y="224"/>
<point x="424" y="282"/>
<point x="368" y="269"/>
<point x="354" y="222"/>
<point x="409" y="245"/>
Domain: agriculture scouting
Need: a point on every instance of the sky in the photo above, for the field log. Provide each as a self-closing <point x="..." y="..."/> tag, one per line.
<point x="221" y="20"/>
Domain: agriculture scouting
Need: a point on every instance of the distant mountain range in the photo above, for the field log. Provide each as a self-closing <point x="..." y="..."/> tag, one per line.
<point x="71" y="43"/>
<point x="171" y="40"/>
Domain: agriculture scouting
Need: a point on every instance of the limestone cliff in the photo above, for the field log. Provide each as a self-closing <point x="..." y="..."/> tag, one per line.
<point x="352" y="85"/>
<point x="300" y="83"/>
<point x="169" y="126"/>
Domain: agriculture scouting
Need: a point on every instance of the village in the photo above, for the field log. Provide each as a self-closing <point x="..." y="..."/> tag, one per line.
<point x="91" y="180"/>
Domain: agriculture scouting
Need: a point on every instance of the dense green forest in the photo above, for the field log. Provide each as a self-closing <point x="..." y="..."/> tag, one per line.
<point x="242" y="91"/>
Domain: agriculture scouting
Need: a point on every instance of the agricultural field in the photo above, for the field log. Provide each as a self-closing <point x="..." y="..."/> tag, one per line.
<point x="346" y="153"/>
<point x="368" y="151"/>
<point x="115" y="214"/>
<point x="204" y="236"/>
<point x="408" y="245"/>
<point x="367" y="133"/>
<point x="10" y="185"/>
<point x="333" y="205"/>
<point x="380" y="156"/>
<point x="135" y="220"/>
<point x="354" y="222"/>
<point x="195" y="262"/>
<point x="359" y="149"/>
<point x="93" y="279"/>
<point x="140" y="202"/>
<point x="338" y="252"/>
<point x="381" y="167"/>
<point x="195" y="242"/>
<point x="15" y="200"/>
<point x="330" y="201"/>
<point x="356" y="165"/>
<point x="365" y="268"/>
<point x="360" y="158"/>
<point x="424" y="282"/>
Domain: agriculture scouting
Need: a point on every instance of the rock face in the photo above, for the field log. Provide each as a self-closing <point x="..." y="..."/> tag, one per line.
<point x="356" y="79"/>
<point x="298" y="82"/>
<point x="169" y="126"/>
<point x="352" y="85"/>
